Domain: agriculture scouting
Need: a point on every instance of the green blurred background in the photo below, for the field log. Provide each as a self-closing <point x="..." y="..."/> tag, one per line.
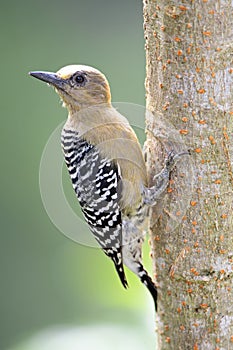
<point x="47" y="280"/>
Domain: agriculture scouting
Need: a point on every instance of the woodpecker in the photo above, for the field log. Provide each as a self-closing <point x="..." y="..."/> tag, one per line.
<point x="107" y="168"/>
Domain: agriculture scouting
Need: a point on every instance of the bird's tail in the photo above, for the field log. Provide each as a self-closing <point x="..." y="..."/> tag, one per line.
<point x="147" y="281"/>
<point x="121" y="273"/>
<point x="116" y="257"/>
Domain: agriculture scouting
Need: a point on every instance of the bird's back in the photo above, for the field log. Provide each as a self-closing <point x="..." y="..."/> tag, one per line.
<point x="111" y="134"/>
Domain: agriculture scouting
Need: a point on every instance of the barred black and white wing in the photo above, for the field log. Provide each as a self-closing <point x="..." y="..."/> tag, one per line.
<point x="97" y="184"/>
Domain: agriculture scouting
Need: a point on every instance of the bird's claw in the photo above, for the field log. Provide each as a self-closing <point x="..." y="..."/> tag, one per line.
<point x="173" y="158"/>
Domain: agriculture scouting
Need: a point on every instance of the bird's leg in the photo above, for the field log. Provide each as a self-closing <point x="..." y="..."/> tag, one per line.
<point x="152" y="194"/>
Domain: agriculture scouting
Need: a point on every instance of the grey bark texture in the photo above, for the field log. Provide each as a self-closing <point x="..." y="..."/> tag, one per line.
<point x="189" y="92"/>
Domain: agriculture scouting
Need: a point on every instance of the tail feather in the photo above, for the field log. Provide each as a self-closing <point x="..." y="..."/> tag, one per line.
<point x="147" y="281"/>
<point x="116" y="257"/>
<point x="121" y="274"/>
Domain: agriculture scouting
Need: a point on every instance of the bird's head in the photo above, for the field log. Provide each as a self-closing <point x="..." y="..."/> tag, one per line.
<point x="78" y="86"/>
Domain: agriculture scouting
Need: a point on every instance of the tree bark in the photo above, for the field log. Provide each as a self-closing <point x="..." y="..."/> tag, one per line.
<point x="189" y="86"/>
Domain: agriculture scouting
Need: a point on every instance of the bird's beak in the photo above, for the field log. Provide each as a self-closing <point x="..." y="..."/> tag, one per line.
<point x="50" y="78"/>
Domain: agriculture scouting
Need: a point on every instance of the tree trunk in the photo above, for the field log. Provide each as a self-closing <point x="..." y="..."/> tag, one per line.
<point x="189" y="86"/>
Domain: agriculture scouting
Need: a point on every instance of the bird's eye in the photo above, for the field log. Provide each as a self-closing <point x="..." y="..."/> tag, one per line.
<point x="79" y="79"/>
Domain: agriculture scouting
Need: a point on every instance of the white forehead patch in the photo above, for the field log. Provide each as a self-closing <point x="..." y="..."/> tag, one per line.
<point x="67" y="71"/>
